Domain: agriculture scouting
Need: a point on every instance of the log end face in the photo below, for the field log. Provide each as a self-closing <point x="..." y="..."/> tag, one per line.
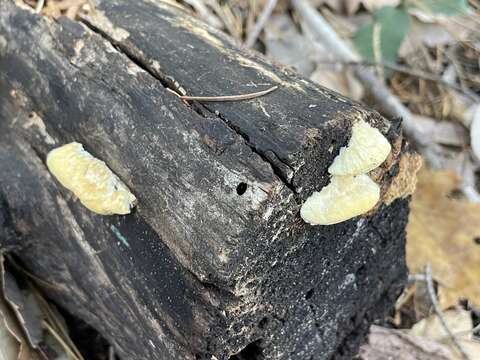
<point x="335" y="148"/>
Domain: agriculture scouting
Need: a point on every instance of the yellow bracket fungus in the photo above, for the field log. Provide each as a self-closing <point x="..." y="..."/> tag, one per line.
<point x="366" y="150"/>
<point x="351" y="192"/>
<point x="344" y="198"/>
<point x="95" y="185"/>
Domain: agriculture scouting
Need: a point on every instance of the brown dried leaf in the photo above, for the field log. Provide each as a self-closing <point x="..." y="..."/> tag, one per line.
<point x="441" y="132"/>
<point x="430" y="35"/>
<point x="352" y="6"/>
<point x="287" y="45"/>
<point x="394" y="344"/>
<point x="460" y="324"/>
<point x="459" y="321"/>
<point x="443" y="231"/>
<point x="339" y="80"/>
<point x="9" y="343"/>
<point x="336" y="5"/>
<point x="26" y="309"/>
<point x="13" y="342"/>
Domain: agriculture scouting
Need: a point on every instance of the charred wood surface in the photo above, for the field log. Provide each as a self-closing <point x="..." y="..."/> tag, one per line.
<point x="215" y="260"/>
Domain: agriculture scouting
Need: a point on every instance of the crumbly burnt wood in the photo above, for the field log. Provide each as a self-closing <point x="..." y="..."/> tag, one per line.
<point x="204" y="266"/>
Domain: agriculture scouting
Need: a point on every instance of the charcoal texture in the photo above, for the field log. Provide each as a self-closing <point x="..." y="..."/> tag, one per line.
<point x="215" y="260"/>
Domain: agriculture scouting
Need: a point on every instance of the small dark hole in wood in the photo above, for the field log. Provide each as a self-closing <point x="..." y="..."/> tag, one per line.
<point x="354" y="320"/>
<point x="241" y="188"/>
<point x="476" y="240"/>
<point x="309" y="294"/>
<point x="263" y="323"/>
<point x="252" y="351"/>
<point x="361" y="272"/>
<point x="383" y="242"/>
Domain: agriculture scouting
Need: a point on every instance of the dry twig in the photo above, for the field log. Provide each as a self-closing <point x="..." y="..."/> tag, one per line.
<point x="39" y="6"/>
<point x="262" y="20"/>
<point x="324" y="33"/>
<point x="438" y="311"/>
<point x="388" y="102"/>
<point x="60" y="340"/>
<point x="111" y="353"/>
<point x="229" y="97"/>
<point x="412" y="72"/>
<point x="55" y="323"/>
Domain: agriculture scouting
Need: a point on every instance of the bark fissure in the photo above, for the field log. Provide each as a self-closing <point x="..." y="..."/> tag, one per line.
<point x="276" y="169"/>
<point x="136" y="57"/>
<point x="216" y="256"/>
<point x="169" y="83"/>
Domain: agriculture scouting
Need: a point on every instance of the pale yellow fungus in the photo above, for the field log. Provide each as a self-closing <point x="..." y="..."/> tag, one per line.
<point x="366" y="150"/>
<point x="95" y="185"/>
<point x="344" y="198"/>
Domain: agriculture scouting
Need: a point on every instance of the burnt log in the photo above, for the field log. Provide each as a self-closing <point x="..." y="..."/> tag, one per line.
<point x="215" y="259"/>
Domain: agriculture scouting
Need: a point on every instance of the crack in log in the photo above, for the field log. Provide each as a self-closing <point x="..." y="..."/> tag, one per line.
<point x="279" y="168"/>
<point x="168" y="82"/>
<point x="282" y="170"/>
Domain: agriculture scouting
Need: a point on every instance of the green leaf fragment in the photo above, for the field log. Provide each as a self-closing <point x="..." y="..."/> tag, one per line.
<point x="391" y="26"/>
<point x="441" y="7"/>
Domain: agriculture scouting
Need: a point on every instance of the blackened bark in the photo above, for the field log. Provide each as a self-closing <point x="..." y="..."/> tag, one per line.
<point x="200" y="268"/>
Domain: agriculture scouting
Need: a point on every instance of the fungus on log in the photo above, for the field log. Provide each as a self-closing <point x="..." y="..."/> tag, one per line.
<point x="215" y="259"/>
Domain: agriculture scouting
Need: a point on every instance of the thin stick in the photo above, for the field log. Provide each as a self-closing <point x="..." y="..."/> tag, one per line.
<point x="52" y="319"/>
<point x="18" y="267"/>
<point x="438" y="311"/>
<point x="59" y="339"/>
<point x="431" y="77"/>
<point x="262" y="20"/>
<point x="422" y="277"/>
<point x="111" y="353"/>
<point x="409" y="71"/>
<point x="229" y="97"/>
<point x="39" y="6"/>
<point x="391" y="105"/>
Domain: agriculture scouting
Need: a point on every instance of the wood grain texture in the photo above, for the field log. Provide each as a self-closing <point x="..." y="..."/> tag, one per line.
<point x="199" y="269"/>
<point x="298" y="125"/>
